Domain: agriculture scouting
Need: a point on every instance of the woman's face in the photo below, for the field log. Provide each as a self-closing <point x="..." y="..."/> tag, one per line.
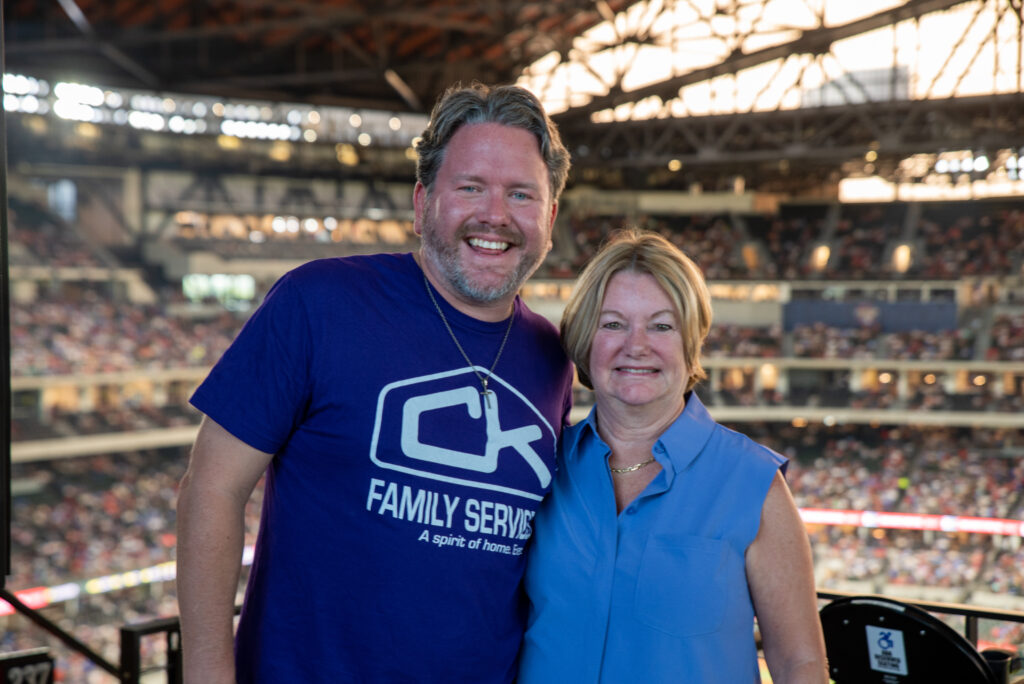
<point x="636" y="358"/>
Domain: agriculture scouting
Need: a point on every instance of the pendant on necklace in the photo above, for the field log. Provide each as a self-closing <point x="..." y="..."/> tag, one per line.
<point x="485" y="393"/>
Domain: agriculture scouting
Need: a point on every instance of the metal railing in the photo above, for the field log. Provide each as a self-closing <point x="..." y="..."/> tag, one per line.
<point x="132" y="669"/>
<point x="971" y="614"/>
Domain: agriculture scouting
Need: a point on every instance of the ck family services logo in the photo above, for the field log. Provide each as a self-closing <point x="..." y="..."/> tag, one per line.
<point x="443" y="427"/>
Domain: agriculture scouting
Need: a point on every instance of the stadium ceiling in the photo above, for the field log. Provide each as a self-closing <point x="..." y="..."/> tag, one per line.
<point x="385" y="54"/>
<point x="904" y="107"/>
<point x="399" y="55"/>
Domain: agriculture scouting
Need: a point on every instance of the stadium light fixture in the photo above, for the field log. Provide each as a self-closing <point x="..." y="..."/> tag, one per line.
<point x="73" y="111"/>
<point x="346" y="154"/>
<point x="79" y="93"/>
<point x="16" y="84"/>
<point x="901" y="258"/>
<point x="819" y="257"/>
<point x="228" y="142"/>
<point x="87" y="130"/>
<point x="280" y="151"/>
<point x="30" y="104"/>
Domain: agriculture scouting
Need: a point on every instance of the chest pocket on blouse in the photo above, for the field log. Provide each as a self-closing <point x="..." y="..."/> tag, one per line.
<point x="682" y="584"/>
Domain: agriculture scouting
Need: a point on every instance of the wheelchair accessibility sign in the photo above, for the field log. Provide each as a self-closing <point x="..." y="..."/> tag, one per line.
<point x="886" y="651"/>
<point x="503" y="443"/>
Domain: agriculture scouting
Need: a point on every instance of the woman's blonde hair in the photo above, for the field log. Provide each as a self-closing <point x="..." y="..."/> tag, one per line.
<point x="638" y="251"/>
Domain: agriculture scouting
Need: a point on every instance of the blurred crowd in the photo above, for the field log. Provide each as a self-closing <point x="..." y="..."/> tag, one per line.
<point x="1007" y="338"/>
<point x="976" y="472"/>
<point x="78" y="518"/>
<point x="945" y="244"/>
<point x="960" y="241"/>
<point x="36" y="238"/>
<point x="93" y="334"/>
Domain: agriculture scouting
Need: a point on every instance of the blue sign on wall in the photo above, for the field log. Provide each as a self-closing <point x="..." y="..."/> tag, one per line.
<point x="889" y="316"/>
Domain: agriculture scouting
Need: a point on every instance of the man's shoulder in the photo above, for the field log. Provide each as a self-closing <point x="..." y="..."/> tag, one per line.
<point x="544" y="336"/>
<point x="539" y="323"/>
<point x="339" y="274"/>
<point x="350" y="265"/>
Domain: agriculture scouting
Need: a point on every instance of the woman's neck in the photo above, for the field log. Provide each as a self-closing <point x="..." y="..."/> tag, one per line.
<point x="633" y="429"/>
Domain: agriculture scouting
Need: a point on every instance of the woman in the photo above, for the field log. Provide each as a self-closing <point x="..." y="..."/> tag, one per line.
<point x="665" y="533"/>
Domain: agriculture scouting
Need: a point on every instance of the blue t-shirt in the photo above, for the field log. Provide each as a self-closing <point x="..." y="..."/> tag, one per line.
<point x="657" y="593"/>
<point x="398" y="502"/>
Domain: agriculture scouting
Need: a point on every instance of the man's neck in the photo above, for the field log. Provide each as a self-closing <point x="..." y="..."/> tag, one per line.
<point x="490" y="312"/>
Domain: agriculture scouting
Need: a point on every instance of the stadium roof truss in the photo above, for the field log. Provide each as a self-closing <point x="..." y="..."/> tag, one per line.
<point x="387" y="54"/>
<point x="748" y="87"/>
<point x="649" y="93"/>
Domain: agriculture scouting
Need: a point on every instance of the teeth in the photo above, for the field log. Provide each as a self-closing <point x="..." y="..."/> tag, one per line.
<point x="488" y="244"/>
<point x="638" y="371"/>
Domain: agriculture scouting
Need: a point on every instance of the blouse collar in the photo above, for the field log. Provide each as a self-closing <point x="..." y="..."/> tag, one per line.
<point x="675" y="449"/>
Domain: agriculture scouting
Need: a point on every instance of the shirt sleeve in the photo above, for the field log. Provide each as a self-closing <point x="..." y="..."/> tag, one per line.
<point x="260" y="387"/>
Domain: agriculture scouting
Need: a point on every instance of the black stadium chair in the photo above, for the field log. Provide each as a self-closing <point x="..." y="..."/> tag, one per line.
<point x="873" y="639"/>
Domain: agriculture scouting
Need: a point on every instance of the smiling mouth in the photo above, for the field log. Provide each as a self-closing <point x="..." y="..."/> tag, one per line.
<point x="637" y="371"/>
<point x="492" y="245"/>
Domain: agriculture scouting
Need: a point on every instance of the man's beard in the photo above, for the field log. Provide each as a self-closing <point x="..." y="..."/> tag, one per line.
<point x="445" y="257"/>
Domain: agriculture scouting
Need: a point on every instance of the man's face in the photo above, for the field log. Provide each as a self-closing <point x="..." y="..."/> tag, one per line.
<point x="486" y="222"/>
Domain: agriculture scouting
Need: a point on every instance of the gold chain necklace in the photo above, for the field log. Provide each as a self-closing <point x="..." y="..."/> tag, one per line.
<point x="485" y="393"/>
<point x="629" y="469"/>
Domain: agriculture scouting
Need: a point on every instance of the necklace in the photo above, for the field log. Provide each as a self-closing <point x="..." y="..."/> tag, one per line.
<point x="485" y="393"/>
<point x="635" y="466"/>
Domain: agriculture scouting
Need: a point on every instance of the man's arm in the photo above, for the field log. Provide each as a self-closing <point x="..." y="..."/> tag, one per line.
<point x="221" y="475"/>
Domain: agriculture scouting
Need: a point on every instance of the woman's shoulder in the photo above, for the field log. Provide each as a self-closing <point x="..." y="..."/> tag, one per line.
<point x="745" y="448"/>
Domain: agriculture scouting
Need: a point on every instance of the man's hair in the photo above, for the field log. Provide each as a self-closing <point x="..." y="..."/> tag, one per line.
<point x="638" y="251"/>
<point x="479" y="103"/>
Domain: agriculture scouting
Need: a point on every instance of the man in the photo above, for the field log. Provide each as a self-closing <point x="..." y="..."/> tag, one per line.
<point x="405" y="410"/>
